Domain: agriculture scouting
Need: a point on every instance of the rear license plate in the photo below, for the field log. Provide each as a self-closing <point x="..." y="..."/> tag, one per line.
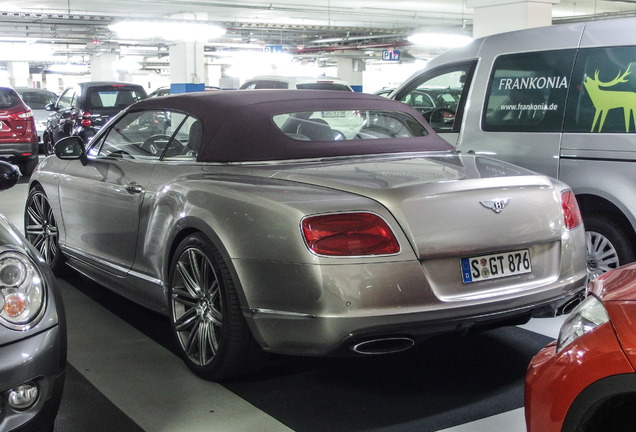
<point x="496" y="266"/>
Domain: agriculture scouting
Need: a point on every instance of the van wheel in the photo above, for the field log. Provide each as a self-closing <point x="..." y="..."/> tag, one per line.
<point x="608" y="245"/>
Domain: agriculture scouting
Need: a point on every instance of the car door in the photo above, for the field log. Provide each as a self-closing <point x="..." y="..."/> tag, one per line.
<point x="517" y="108"/>
<point x="101" y="200"/>
<point x="64" y="115"/>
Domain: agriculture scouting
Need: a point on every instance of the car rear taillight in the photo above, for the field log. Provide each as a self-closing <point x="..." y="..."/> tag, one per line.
<point x="22" y="115"/>
<point x="571" y="213"/>
<point x="349" y="234"/>
<point x="86" y="119"/>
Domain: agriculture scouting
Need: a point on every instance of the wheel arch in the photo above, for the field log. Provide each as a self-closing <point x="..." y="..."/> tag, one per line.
<point x="599" y="403"/>
<point x="596" y="205"/>
<point x="190" y="226"/>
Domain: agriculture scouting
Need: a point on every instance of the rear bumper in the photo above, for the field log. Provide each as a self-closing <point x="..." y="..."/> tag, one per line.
<point x="18" y="151"/>
<point x="331" y="314"/>
<point x="319" y="336"/>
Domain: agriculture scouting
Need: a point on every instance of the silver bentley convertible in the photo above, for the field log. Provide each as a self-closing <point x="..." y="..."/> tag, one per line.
<point x="303" y="222"/>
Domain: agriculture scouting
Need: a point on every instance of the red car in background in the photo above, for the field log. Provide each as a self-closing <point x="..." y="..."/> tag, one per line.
<point x="18" y="136"/>
<point x="585" y="381"/>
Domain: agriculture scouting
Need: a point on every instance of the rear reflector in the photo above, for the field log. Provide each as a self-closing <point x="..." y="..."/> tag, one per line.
<point x="349" y="234"/>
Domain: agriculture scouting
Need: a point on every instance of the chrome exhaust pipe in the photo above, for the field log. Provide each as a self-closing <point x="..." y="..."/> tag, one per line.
<point x="569" y="306"/>
<point x="388" y="345"/>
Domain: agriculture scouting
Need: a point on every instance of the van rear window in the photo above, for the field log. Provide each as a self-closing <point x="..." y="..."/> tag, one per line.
<point x="527" y="92"/>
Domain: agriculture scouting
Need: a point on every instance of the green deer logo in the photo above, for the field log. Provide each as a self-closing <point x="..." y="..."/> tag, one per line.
<point x="605" y="100"/>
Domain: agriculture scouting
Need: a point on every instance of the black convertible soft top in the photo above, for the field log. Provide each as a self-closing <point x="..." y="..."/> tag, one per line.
<point x="238" y="125"/>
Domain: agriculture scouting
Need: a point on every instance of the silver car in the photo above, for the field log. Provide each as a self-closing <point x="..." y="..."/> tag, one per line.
<point x="32" y="331"/>
<point x="303" y="222"/>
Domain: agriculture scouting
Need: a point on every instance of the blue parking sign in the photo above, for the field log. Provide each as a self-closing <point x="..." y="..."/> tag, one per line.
<point x="391" y="55"/>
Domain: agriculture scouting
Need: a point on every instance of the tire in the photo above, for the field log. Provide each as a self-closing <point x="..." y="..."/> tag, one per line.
<point x="206" y="319"/>
<point x="608" y="245"/>
<point x="41" y="230"/>
<point x="28" y="166"/>
<point x="48" y="143"/>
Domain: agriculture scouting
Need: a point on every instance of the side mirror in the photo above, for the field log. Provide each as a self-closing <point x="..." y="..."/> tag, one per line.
<point x="49" y="107"/>
<point x="9" y="175"/>
<point x="71" y="148"/>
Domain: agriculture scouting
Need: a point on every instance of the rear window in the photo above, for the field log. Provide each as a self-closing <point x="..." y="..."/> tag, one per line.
<point x="38" y="100"/>
<point x="323" y="86"/>
<point x="9" y="98"/>
<point x="109" y="97"/>
<point x="527" y="92"/>
<point x="264" y="84"/>
<point x="345" y="125"/>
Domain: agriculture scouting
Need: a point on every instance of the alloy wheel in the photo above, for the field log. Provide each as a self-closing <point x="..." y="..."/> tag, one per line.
<point x="601" y="254"/>
<point x="40" y="227"/>
<point x="197" y="308"/>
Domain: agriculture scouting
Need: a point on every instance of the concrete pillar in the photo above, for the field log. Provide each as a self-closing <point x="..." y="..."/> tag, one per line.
<point x="351" y="70"/>
<point x="187" y="68"/>
<point x="498" y="16"/>
<point x="104" y="66"/>
<point x="214" y="74"/>
<point x="19" y="73"/>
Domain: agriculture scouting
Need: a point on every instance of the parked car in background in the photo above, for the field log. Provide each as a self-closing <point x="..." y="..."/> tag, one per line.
<point x="305" y="83"/>
<point x="242" y="213"/>
<point x="18" y="135"/>
<point x="84" y="108"/>
<point x="385" y="92"/>
<point x="165" y="91"/>
<point x="37" y="100"/>
<point x="557" y="100"/>
<point x="161" y="91"/>
<point x="586" y="381"/>
<point x="32" y="331"/>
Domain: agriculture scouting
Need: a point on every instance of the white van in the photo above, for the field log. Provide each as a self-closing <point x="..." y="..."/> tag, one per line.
<point x="560" y="100"/>
<point x="286" y="82"/>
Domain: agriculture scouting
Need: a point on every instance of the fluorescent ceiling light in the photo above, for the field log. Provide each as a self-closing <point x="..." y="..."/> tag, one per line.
<point x="167" y="30"/>
<point x="440" y="40"/>
<point x="25" y="52"/>
<point x="68" y="68"/>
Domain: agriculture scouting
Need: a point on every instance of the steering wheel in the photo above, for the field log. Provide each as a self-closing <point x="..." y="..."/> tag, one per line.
<point x="441" y="118"/>
<point x="155" y="144"/>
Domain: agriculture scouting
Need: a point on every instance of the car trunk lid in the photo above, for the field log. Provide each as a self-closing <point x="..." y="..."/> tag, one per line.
<point x="450" y="205"/>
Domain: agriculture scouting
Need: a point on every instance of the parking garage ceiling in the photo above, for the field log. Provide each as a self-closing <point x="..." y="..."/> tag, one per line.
<point x="302" y="27"/>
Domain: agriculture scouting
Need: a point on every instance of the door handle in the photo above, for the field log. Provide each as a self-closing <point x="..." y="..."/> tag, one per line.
<point x="134" y="188"/>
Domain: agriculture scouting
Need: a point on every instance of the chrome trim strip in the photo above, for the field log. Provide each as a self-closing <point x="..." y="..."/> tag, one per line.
<point x="117" y="269"/>
<point x="284" y="314"/>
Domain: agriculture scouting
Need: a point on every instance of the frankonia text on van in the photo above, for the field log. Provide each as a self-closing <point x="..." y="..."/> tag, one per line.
<point x="533" y="83"/>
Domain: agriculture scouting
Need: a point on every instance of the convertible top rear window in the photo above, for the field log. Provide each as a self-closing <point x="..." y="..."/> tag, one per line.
<point x="344" y="125"/>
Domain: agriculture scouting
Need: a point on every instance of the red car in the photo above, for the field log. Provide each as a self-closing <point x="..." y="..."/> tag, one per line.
<point x="585" y="381"/>
<point x="18" y="136"/>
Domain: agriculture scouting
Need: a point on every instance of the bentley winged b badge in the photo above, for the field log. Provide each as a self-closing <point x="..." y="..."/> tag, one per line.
<point x="496" y="204"/>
